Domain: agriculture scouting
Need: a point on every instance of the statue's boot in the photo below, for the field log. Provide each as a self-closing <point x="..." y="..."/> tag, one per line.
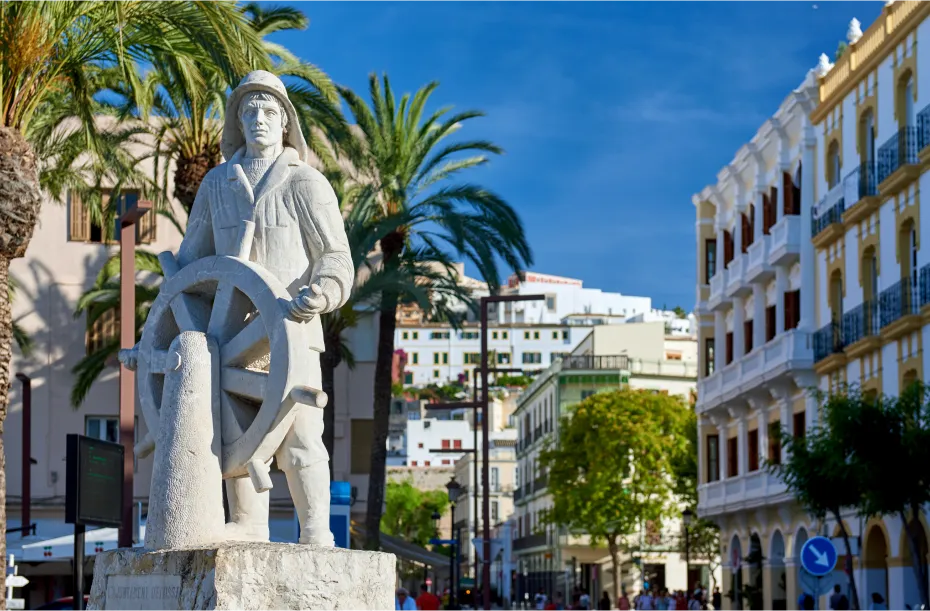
<point x="309" y="488"/>
<point x="248" y="511"/>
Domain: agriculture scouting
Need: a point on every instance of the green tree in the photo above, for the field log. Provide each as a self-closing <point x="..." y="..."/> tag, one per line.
<point x="886" y="434"/>
<point x="409" y="512"/>
<point x="612" y="468"/>
<point x="820" y="469"/>
<point x="51" y="51"/>
<point x="410" y="161"/>
<point x="703" y="535"/>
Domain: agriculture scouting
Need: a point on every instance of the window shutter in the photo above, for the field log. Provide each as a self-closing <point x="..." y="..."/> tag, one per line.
<point x="80" y="220"/>
<point x="788" y="186"/>
<point x="146" y="232"/>
<point x="773" y="197"/>
<point x="766" y="214"/>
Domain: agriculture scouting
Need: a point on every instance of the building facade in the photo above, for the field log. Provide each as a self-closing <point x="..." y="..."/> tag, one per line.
<point x="609" y="357"/>
<point x="872" y="130"/>
<point x="755" y="295"/>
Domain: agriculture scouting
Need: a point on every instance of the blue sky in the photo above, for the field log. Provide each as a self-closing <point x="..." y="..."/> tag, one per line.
<point x="611" y="114"/>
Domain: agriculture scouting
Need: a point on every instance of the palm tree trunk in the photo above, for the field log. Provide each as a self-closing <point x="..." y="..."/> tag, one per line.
<point x="329" y="361"/>
<point x="6" y="355"/>
<point x="382" y="413"/>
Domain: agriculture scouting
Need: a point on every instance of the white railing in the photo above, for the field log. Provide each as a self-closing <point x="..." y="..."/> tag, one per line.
<point x="733" y="492"/>
<point x="679" y="369"/>
<point x="717" y="283"/>
<point x="788" y="351"/>
<point x="758" y="256"/>
<point x="786" y="238"/>
<point x="735" y="270"/>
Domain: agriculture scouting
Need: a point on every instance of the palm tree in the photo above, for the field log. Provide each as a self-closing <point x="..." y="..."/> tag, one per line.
<point x="48" y="49"/>
<point x="410" y="161"/>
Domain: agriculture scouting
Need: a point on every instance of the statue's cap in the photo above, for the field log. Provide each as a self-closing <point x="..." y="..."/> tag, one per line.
<point x="263" y="81"/>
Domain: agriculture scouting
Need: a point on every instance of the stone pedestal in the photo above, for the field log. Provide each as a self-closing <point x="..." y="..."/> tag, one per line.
<point x="244" y="576"/>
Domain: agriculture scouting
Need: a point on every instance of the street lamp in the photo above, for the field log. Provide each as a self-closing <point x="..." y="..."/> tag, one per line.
<point x="454" y="489"/>
<point x="686" y="516"/>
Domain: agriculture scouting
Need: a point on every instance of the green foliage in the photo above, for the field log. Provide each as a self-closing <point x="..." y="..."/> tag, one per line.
<point x="409" y="512"/>
<point x="514" y="381"/>
<point x="680" y="312"/>
<point x="435" y="392"/>
<point x="840" y="50"/>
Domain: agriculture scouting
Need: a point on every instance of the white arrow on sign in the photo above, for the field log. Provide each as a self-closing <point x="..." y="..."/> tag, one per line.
<point x="15" y="603"/>
<point x="820" y="557"/>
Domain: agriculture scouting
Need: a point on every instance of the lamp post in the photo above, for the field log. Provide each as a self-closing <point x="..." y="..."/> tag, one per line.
<point x="453" y="488"/>
<point x="436" y="517"/>
<point x="485" y="443"/>
<point x="686" y="516"/>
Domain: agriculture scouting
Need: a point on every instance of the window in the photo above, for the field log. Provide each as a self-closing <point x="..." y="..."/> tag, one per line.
<point x="503" y="358"/>
<point x="405" y="335"/>
<point x="833" y="164"/>
<point x="436" y="374"/>
<point x="408" y="377"/>
<point x="446" y="444"/>
<point x="564" y="334"/>
<point x="746" y="234"/>
<point x="102" y="427"/>
<point x="753" y="450"/>
<point x="467" y="375"/>
<point x="415" y="358"/>
<point x="505" y="334"/>
<point x="555" y="335"/>
<point x="672" y="356"/>
<point x="471" y="358"/>
<point x="747" y="337"/>
<point x="732" y="457"/>
<point x="526" y="335"/>
<point x="708" y="356"/>
<point x="413" y="463"/>
<point x="532" y="358"/>
<point x="768" y="214"/>
<point x="457" y="444"/>
<point x="729" y="348"/>
<point x="103" y="331"/>
<point x="495" y="478"/>
<point x="799" y="424"/>
<point x="445" y="358"/>
<point x="774" y="443"/>
<point x="535" y="334"/>
<point x="416" y="335"/>
<point x="470" y="335"/>
<point x="494" y="334"/>
<point x="710" y="259"/>
<point x="82" y="229"/>
<point x="494" y="511"/>
<point x="770" y="316"/>
<point x="439" y="335"/>
<point x="792" y="309"/>
<point x="420" y="445"/>
<point x="550" y="302"/>
<point x="436" y="358"/>
<point x="425" y="463"/>
<point x="446" y="461"/>
<point x="792" y="206"/>
<point x="727" y="247"/>
<point x="713" y="458"/>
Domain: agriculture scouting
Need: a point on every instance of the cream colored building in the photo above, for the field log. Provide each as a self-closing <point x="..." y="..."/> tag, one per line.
<point x="638" y="355"/>
<point x="872" y="273"/>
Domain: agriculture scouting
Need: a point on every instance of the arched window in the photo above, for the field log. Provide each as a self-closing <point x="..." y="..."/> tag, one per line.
<point x="833" y="164"/>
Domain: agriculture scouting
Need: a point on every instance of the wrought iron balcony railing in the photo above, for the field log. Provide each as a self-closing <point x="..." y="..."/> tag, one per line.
<point x="900" y="299"/>
<point x="828" y="340"/>
<point x="834" y="214"/>
<point x="861" y="322"/>
<point x="868" y="179"/>
<point x="900" y="150"/>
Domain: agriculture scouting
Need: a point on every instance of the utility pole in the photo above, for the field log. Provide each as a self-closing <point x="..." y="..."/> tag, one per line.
<point x="127" y="221"/>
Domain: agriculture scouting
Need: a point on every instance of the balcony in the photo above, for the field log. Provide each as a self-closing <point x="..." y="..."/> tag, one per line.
<point x="590" y="361"/>
<point x="898" y="161"/>
<point x="531" y="541"/>
<point x="541" y="482"/>
<point x="736" y="279"/>
<point x="746" y="491"/>
<point x="864" y="183"/>
<point x="517" y="494"/>
<point x="787" y="352"/>
<point x="923" y="131"/>
<point x="717" y="284"/>
<point x="828" y="340"/>
<point x="899" y="307"/>
<point x="786" y="240"/>
<point x="827" y="219"/>
<point x="757" y="269"/>
<point x="860" y="329"/>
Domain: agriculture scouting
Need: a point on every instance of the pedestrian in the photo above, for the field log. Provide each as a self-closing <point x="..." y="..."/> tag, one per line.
<point x="717" y="598"/>
<point x="646" y="602"/>
<point x="838" y="600"/>
<point x="585" y="600"/>
<point x="540" y="599"/>
<point x="624" y="602"/>
<point x="403" y="600"/>
<point x="604" y="602"/>
<point x="878" y="602"/>
<point x="696" y="603"/>
<point x="427" y="601"/>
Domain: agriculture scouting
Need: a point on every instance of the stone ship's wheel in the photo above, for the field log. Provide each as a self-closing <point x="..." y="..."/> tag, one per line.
<point x="264" y="369"/>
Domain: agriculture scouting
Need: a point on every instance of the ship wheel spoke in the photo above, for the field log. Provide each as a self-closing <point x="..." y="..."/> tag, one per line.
<point x="245" y="383"/>
<point x="246" y="345"/>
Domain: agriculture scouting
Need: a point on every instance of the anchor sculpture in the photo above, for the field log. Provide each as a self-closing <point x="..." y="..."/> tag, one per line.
<point x="228" y="363"/>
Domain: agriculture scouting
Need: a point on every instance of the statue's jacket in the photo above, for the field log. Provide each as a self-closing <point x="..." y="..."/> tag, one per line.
<point x="299" y="236"/>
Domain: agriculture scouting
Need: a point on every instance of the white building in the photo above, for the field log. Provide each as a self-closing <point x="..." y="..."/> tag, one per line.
<point x="609" y="357"/>
<point x="755" y="293"/>
<point x="872" y="274"/>
<point x="429" y="434"/>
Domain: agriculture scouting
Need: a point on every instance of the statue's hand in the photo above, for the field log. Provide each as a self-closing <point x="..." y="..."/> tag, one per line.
<point x="129" y="358"/>
<point x="308" y="303"/>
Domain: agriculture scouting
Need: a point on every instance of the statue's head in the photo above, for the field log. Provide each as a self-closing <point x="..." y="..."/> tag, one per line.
<point x="258" y="110"/>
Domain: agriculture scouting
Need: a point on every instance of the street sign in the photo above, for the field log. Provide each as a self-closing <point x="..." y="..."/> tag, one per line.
<point x="815" y="586"/>
<point x="818" y="556"/>
<point x="15" y="603"/>
<point x="16" y="581"/>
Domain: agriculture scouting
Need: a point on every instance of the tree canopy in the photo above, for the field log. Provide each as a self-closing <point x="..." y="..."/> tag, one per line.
<point x="409" y="511"/>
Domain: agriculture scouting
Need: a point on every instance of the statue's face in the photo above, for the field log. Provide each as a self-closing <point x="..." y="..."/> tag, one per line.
<point x="262" y="122"/>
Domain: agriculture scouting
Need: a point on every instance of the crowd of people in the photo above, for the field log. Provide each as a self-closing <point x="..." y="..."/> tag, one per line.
<point x="651" y="599"/>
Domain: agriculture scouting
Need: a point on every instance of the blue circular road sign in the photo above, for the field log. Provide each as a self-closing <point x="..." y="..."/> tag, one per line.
<point x="818" y="556"/>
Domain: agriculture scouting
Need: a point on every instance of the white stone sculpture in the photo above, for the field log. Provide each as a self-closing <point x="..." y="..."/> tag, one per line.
<point x="231" y="348"/>
<point x="823" y="65"/>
